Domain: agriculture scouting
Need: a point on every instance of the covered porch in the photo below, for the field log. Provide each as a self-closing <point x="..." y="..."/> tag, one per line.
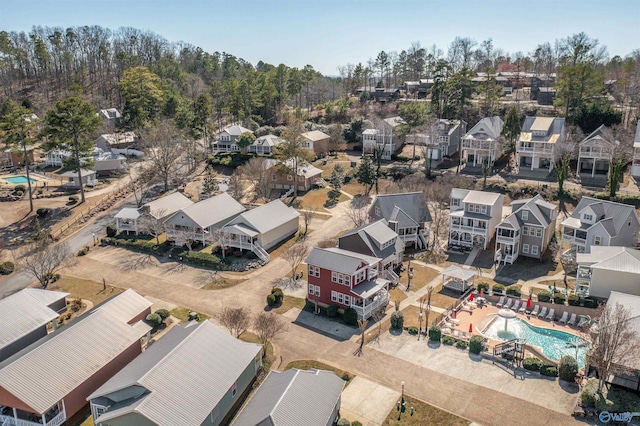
<point x="458" y="279"/>
<point x="244" y="238"/>
<point x="15" y="417"/>
<point x="127" y="220"/>
<point x="370" y="296"/>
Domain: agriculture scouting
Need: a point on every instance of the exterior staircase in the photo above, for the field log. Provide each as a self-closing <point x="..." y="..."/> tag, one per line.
<point x="287" y="194"/>
<point x="388" y="274"/>
<point x="260" y="252"/>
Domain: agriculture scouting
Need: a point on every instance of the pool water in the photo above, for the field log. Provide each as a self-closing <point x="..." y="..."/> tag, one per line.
<point x="554" y="343"/>
<point x="18" y="179"/>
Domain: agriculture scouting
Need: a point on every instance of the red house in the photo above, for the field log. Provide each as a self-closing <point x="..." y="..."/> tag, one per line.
<point x="348" y="280"/>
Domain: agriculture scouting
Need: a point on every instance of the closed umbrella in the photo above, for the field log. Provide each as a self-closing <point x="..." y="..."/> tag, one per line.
<point x="471" y="298"/>
<point x="482" y="292"/>
<point x="453" y="313"/>
<point x="470" y="328"/>
<point x="529" y="303"/>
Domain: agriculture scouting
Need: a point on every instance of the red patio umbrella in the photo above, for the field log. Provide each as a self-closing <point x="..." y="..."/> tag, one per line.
<point x="482" y="292"/>
<point x="453" y="313"/>
<point x="471" y="298"/>
<point x="470" y="328"/>
<point x="529" y="303"/>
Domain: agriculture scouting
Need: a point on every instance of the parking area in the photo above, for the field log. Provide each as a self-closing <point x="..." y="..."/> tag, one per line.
<point x="367" y="402"/>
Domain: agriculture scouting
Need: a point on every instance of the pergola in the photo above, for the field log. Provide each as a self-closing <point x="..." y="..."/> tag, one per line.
<point x="459" y="278"/>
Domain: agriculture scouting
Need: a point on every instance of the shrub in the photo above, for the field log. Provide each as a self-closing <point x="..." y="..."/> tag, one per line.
<point x="6" y="268"/>
<point x="588" y="397"/>
<point x="544" y="296"/>
<point x="461" y="344"/>
<point x="111" y="231"/>
<point x="42" y="211"/>
<point x="154" y="320"/>
<point x="397" y="320"/>
<point x="559" y="298"/>
<point x="448" y="340"/>
<point x="549" y="370"/>
<point x="435" y="334"/>
<point x="83" y="251"/>
<point x="199" y="258"/>
<point x="344" y="422"/>
<point x="590" y="303"/>
<point x="279" y="295"/>
<point x="484" y="286"/>
<point x="413" y="330"/>
<point x="514" y="290"/>
<point x="76" y="304"/>
<point x="271" y="299"/>
<point x="573" y="300"/>
<point x="350" y="316"/>
<point x="19" y="193"/>
<point x="332" y="311"/>
<point x="475" y="344"/>
<point x="163" y="313"/>
<point x="568" y="368"/>
<point x="74" y="199"/>
<point x="498" y="288"/>
<point x="532" y="364"/>
<point x="356" y="423"/>
<point x="20" y="188"/>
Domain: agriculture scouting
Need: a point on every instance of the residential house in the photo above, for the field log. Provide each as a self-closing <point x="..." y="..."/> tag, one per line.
<point x="595" y="153"/>
<point x="56" y="157"/>
<point x="441" y="140"/>
<point x="129" y="219"/>
<point x="407" y="214"/>
<point x="608" y="269"/>
<point x="292" y="397"/>
<point x="535" y="147"/>
<point x="282" y="175"/>
<point x="36" y="390"/>
<point x="89" y="178"/>
<point x="480" y="145"/>
<point x="199" y="221"/>
<point x="527" y="231"/>
<point x="10" y="158"/>
<point x="197" y="374"/>
<point x="227" y="138"/>
<point x="262" y="228"/>
<point x="547" y="95"/>
<point x="474" y="216"/>
<point x="317" y="141"/>
<point x="424" y="87"/>
<point x="635" y="169"/>
<point x="25" y="316"/>
<point x="116" y="142"/>
<point x="265" y="144"/>
<point x="375" y="239"/>
<point x="380" y="94"/>
<point x="600" y="223"/>
<point x="348" y="280"/>
<point x="107" y="163"/>
<point x="110" y="115"/>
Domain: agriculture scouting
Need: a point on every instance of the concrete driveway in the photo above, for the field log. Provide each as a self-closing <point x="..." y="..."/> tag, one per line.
<point x="333" y="328"/>
<point x="367" y="402"/>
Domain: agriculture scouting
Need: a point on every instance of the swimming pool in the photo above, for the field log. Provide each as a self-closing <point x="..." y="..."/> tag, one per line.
<point x="554" y="343"/>
<point x="18" y="179"/>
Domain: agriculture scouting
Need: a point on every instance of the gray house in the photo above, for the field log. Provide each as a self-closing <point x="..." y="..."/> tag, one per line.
<point x="527" y="231"/>
<point x="25" y="315"/>
<point x="195" y="375"/>
<point x="227" y="139"/>
<point x="375" y="239"/>
<point x="480" y="145"/>
<point x="608" y="269"/>
<point x="294" y="397"/>
<point x="407" y="214"/>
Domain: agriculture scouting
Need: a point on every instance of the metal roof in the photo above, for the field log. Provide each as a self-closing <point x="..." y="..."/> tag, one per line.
<point x="167" y="205"/>
<point x="211" y="211"/>
<point x="339" y="260"/>
<point x="488" y="127"/>
<point x="292" y="398"/>
<point x="87" y="344"/>
<point x="83" y="172"/>
<point x="394" y="121"/>
<point x="408" y="209"/>
<point x="481" y="197"/>
<point x="267" y="140"/>
<point x="128" y="213"/>
<point x="552" y="126"/>
<point x="613" y="258"/>
<point x="370" y="287"/>
<point x="315" y="135"/>
<point x="186" y="374"/>
<point x="46" y="297"/>
<point x="459" y="272"/>
<point x="266" y="217"/>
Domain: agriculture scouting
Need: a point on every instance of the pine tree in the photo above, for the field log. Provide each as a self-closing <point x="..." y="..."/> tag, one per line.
<point x="366" y="173"/>
<point x="210" y="184"/>
<point x="511" y="129"/>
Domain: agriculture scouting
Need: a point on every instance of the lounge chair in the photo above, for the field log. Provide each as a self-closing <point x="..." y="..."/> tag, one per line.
<point x="454" y="333"/>
<point x="535" y="310"/>
<point x="500" y="302"/>
<point x="543" y="312"/>
<point x="516" y="305"/>
<point x="584" y="320"/>
<point x="523" y="308"/>
<point x="552" y="311"/>
<point x="472" y="305"/>
<point x="572" y="320"/>
<point x="508" y="304"/>
<point x="450" y="324"/>
<point x="564" y="317"/>
<point x="453" y="320"/>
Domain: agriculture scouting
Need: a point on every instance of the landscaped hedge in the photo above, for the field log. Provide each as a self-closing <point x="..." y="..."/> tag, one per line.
<point x="203" y="259"/>
<point x="514" y="290"/>
<point x="397" y="320"/>
<point x="590" y="303"/>
<point x="475" y="344"/>
<point x="154" y="320"/>
<point x="498" y="288"/>
<point x="574" y="300"/>
<point x="163" y="313"/>
<point x="231" y="159"/>
<point x="271" y="299"/>
<point x="448" y="340"/>
<point x="350" y="316"/>
<point x="332" y="311"/>
<point x="532" y="364"/>
<point x="559" y="298"/>
<point x="568" y="368"/>
<point x="461" y="344"/>
<point x="549" y="370"/>
<point x="483" y="286"/>
<point x="435" y="334"/>
<point x="413" y="330"/>
<point x="147" y="246"/>
<point x="544" y="296"/>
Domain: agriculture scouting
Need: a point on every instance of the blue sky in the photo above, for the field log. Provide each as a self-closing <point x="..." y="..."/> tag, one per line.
<point x="329" y="33"/>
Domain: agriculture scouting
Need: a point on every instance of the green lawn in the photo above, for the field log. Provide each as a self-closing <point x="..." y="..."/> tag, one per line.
<point x="288" y="303"/>
<point x="183" y="314"/>
<point x="424" y="414"/>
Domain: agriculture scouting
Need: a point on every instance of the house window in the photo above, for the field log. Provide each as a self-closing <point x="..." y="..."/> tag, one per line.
<point x="314" y="271"/>
<point x="360" y="276"/>
<point x="455" y="202"/>
<point x="477" y="208"/>
<point x="525" y="230"/>
<point x="525" y="215"/>
<point x="234" y="389"/>
<point x="339" y="278"/>
<point x="289" y="177"/>
<point x="484" y="209"/>
<point x="588" y="217"/>
<point x="377" y="211"/>
<point x="274" y="177"/>
<point x="343" y="299"/>
<point x="314" y="290"/>
<point x="539" y="232"/>
<point x="525" y="248"/>
<point x="597" y="240"/>
<point x="534" y="250"/>
<point x="470" y="208"/>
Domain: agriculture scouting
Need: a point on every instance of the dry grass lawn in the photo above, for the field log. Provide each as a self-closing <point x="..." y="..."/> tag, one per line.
<point x="412" y="314"/>
<point x="306" y="364"/>
<point x="354" y="188"/>
<point x="315" y="199"/>
<point x="183" y="314"/>
<point x="441" y="300"/>
<point x="288" y="303"/>
<point x="422" y="275"/>
<point x="424" y="414"/>
<point x="220" y="283"/>
<point x="397" y="294"/>
<point x="85" y="289"/>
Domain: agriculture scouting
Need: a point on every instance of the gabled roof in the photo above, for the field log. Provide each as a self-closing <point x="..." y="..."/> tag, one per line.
<point x="613" y="258"/>
<point x="632" y="303"/>
<point x="394" y="121"/>
<point x="480" y="197"/>
<point x="266" y="217"/>
<point x="83" y="172"/>
<point x="25" y="311"/>
<point x="601" y="134"/>
<point x="267" y="140"/>
<point x="304" y="169"/>
<point x="235" y="130"/>
<point x="487" y="128"/>
<point x="186" y="374"/>
<point x="315" y="135"/>
<point x="408" y="209"/>
<point x="339" y="260"/>
<point x="87" y="344"/>
<point x="119" y="138"/>
<point x="552" y="126"/>
<point x="533" y="205"/>
<point x="128" y="213"/>
<point x="167" y="205"/>
<point x="459" y="272"/>
<point x="293" y="397"/>
<point x="213" y="210"/>
<point x="618" y="213"/>
<point x="373" y="235"/>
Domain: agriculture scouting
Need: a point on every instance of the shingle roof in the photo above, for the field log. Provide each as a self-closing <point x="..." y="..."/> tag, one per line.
<point x="487" y="128"/>
<point x="394" y="121"/>
<point x="604" y="210"/>
<point x="293" y="397"/>
<point x="601" y="134"/>
<point x="304" y="169"/>
<point x="168" y="205"/>
<point x="236" y="130"/>
<point x="552" y="125"/>
<point x="267" y="217"/>
<point x="87" y="344"/>
<point x="338" y="260"/>
<point x="533" y="205"/>
<point x="128" y="213"/>
<point x="267" y="140"/>
<point x="186" y="374"/>
<point x="374" y="235"/>
<point x="408" y="209"/>
<point x="315" y="135"/>
<point x="217" y="209"/>
<point x="119" y="138"/>
<point x="83" y="172"/>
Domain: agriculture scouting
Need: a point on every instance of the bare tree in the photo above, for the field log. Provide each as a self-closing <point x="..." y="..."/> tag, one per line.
<point x="139" y="183"/>
<point x="295" y="255"/>
<point x="163" y="144"/>
<point x="615" y="342"/>
<point x="362" y="326"/>
<point x="267" y="326"/>
<point x="258" y="172"/>
<point x="235" y="186"/>
<point x="565" y="151"/>
<point x="45" y="261"/>
<point x="307" y="216"/>
<point x="622" y="138"/>
<point x="188" y="237"/>
<point x="358" y="210"/>
<point x="151" y="225"/>
<point x="236" y="320"/>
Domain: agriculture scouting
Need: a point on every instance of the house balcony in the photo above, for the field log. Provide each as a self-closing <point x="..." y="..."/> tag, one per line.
<point x="571" y="239"/>
<point x="507" y="240"/>
<point x="57" y="420"/>
<point x="381" y="300"/>
<point x="121" y="226"/>
<point x="595" y="155"/>
<point x="584" y="274"/>
<point x="245" y="244"/>
<point x="538" y="151"/>
<point x="471" y="229"/>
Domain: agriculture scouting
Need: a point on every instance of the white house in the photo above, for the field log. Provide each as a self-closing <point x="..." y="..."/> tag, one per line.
<point x="608" y="269"/>
<point x="600" y="223"/>
<point x="596" y="151"/>
<point x="110" y="115"/>
<point x="118" y="141"/>
<point x="265" y="144"/>
<point x="635" y="170"/>
<point x="473" y="217"/>
<point x="88" y="178"/>
<point x="106" y="163"/>
<point x="128" y="218"/>
<point x="227" y="138"/>
<point x="480" y="144"/>
<point x="262" y="228"/>
<point x="536" y="146"/>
